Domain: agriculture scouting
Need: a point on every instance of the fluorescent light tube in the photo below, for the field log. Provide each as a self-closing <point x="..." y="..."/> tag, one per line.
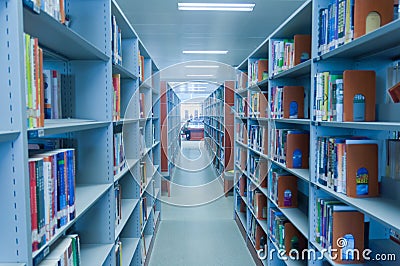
<point x="204" y="52"/>
<point x="216" y="7"/>
<point x="202" y="66"/>
<point x="199" y="75"/>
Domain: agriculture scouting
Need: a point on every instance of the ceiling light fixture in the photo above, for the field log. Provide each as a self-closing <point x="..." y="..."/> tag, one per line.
<point x="202" y="66"/>
<point x="199" y="75"/>
<point x="215" y="7"/>
<point x="204" y="52"/>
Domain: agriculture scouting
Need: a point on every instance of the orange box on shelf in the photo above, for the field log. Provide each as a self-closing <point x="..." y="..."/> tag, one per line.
<point x="293" y="102"/>
<point x="302" y="48"/>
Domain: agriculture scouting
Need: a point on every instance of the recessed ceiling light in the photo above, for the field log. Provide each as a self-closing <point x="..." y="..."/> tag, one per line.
<point x="215" y="7"/>
<point x="199" y="75"/>
<point x="202" y="66"/>
<point x="204" y="52"/>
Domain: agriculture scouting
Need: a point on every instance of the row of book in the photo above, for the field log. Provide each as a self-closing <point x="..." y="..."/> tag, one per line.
<point x="284" y="234"/>
<point x="287" y="102"/>
<point x="52" y="193"/>
<point x="241" y="132"/>
<point x="348" y="165"/>
<point x="287" y="53"/>
<point x="241" y="158"/>
<point x="34" y="87"/>
<point x="282" y="188"/>
<point x="257" y="235"/>
<point x="116" y="107"/>
<point x="141" y="67"/>
<point x="258" y="169"/>
<point x="66" y="253"/>
<point x="116" y="42"/>
<point x="346" y="96"/>
<point x="258" y="71"/>
<point x="242" y="80"/>
<point x="258" y="138"/>
<point x="42" y="86"/>
<point x="338" y="223"/>
<point x="290" y="147"/>
<point x="119" y="154"/>
<point x="258" y="203"/>
<point x="55" y="8"/>
<point x="258" y="104"/>
<point x="143" y="175"/>
<point x="118" y="203"/>
<point x="241" y="106"/>
<point x="345" y="20"/>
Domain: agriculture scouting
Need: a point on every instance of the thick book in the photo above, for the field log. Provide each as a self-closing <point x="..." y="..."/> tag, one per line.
<point x="359" y="88"/>
<point x="297" y="150"/>
<point x="286" y="191"/>
<point x="347" y="234"/>
<point x="361" y="170"/>
<point x="369" y="15"/>
<point x="293" y="102"/>
<point x="302" y="48"/>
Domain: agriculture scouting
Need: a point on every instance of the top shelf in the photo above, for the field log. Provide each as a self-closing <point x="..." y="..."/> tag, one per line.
<point x="63" y="41"/>
<point x="382" y="42"/>
<point x="126" y="29"/>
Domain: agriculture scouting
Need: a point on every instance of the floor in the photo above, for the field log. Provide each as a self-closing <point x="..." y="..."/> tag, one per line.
<point x="197" y="226"/>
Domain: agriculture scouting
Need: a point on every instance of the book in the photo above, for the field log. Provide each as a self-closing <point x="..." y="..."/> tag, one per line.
<point x="370" y="15"/>
<point x="394" y="93"/>
<point x="359" y="88"/>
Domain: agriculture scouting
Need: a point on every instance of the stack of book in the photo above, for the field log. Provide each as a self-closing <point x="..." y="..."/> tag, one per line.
<point x="287" y="102"/>
<point x="258" y="202"/>
<point x="66" y="253"/>
<point x="282" y="188"/>
<point x="52" y="193"/>
<point x="258" y="138"/>
<point x="258" y="71"/>
<point x="290" y="147"/>
<point x="348" y="165"/>
<point x="258" y="169"/>
<point x="241" y="106"/>
<point x="52" y="80"/>
<point x="258" y="104"/>
<point x="55" y="8"/>
<point x="116" y="42"/>
<point x="119" y="154"/>
<point x="242" y="80"/>
<point x="116" y="111"/>
<point x="34" y="86"/>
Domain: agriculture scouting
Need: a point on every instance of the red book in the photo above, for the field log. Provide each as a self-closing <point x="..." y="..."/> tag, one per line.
<point x="33" y="205"/>
<point x="395" y="93"/>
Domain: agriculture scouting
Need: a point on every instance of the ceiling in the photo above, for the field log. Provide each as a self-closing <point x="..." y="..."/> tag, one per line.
<point x="166" y="32"/>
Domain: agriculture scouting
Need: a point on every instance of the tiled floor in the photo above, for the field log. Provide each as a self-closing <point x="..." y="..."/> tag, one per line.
<point x="204" y="234"/>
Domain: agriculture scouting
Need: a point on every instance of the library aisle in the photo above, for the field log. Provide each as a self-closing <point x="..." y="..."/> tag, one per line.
<point x="198" y="235"/>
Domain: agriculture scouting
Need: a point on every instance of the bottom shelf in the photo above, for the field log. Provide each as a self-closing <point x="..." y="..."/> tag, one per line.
<point x="93" y="254"/>
<point x="129" y="246"/>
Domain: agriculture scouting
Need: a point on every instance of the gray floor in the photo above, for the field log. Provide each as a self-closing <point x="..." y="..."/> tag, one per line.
<point x="205" y="234"/>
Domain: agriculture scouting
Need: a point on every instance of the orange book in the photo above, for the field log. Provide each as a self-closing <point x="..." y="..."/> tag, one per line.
<point x="260" y="206"/>
<point x="294" y="240"/>
<point x="293" y="102"/>
<point x="370" y="15"/>
<point x="297" y="150"/>
<point x="259" y="234"/>
<point x="362" y="170"/>
<point x="287" y="191"/>
<point x="62" y="11"/>
<point x="359" y="88"/>
<point x="262" y="68"/>
<point x="348" y="226"/>
<point x="302" y="48"/>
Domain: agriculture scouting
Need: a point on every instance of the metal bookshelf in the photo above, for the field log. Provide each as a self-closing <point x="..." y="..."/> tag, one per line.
<point x="81" y="51"/>
<point x="377" y="50"/>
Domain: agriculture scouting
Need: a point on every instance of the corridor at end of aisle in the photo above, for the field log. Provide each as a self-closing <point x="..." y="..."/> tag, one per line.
<point x="198" y="235"/>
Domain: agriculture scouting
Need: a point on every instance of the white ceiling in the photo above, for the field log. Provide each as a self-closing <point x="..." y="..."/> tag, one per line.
<point x="166" y="32"/>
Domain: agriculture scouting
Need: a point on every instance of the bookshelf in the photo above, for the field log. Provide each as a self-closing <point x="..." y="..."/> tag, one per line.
<point x="99" y="117"/>
<point x="375" y="51"/>
<point x="219" y="130"/>
<point x="170" y="132"/>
